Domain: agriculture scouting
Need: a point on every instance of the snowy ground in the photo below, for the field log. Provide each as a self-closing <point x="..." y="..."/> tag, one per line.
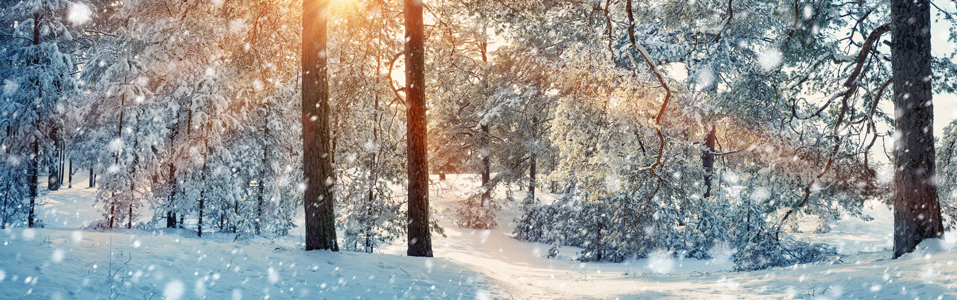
<point x="60" y="262"/>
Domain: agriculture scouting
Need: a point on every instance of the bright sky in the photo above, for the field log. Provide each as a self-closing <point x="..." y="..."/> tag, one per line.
<point x="945" y="105"/>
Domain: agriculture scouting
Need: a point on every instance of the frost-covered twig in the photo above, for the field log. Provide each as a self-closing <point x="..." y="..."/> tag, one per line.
<point x="872" y="126"/>
<point x="827" y="166"/>
<point x="651" y="65"/>
<point x="821" y="109"/>
<point x="101" y="32"/>
<point x="725" y="23"/>
<point x="723" y="153"/>
<point x="865" y="49"/>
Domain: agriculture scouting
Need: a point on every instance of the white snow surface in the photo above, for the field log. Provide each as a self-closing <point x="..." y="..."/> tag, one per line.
<point x="62" y="262"/>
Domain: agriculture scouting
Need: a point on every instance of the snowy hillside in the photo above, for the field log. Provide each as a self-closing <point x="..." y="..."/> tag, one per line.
<point x="61" y="262"/>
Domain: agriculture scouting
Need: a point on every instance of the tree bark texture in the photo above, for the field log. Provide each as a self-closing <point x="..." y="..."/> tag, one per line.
<point x="916" y="206"/>
<point x="317" y="154"/>
<point x="420" y="240"/>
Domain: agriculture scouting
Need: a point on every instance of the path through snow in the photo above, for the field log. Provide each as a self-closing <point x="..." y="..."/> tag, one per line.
<point x="60" y="262"/>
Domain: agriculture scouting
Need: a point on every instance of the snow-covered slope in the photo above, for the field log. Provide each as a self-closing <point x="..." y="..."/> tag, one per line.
<point x="60" y="262"/>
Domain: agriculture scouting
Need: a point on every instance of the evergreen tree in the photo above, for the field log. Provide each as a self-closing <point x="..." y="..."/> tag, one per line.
<point x="128" y="125"/>
<point x="947" y="174"/>
<point x="36" y="91"/>
<point x="367" y="124"/>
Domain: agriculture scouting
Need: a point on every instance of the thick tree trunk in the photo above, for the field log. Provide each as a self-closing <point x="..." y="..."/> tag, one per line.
<point x="420" y="239"/>
<point x="916" y="206"/>
<point x="70" y="184"/>
<point x="316" y="148"/>
<point x="707" y="159"/>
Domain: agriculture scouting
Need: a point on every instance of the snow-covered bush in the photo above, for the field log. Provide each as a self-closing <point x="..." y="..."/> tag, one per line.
<point x="763" y="251"/>
<point x="614" y="208"/>
<point x="611" y="230"/>
<point x="605" y="230"/>
<point x="474" y="211"/>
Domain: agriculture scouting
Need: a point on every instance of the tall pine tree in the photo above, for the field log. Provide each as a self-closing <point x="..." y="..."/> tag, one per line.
<point x="916" y="205"/>
<point x="420" y="240"/>
<point x="317" y="153"/>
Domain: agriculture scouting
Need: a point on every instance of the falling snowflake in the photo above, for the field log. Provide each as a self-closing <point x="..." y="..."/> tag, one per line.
<point x="10" y="87"/>
<point x="705" y="77"/>
<point x="174" y="290"/>
<point x="273" y="276"/>
<point x="769" y="59"/>
<point x="115" y="145"/>
<point x="79" y="14"/>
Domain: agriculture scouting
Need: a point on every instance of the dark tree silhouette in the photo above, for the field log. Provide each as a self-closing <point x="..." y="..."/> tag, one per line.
<point x="420" y="240"/>
<point x="317" y="153"/>
<point x="916" y="206"/>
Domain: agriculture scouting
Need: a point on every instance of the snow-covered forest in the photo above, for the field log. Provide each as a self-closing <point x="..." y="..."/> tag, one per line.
<point x="474" y="149"/>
